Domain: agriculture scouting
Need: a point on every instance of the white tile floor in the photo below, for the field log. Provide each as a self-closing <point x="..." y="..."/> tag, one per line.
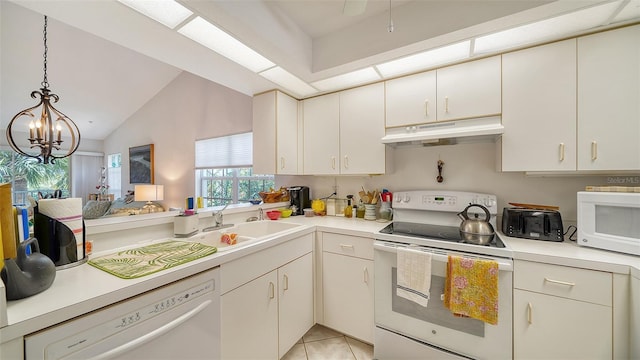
<point x="321" y="343"/>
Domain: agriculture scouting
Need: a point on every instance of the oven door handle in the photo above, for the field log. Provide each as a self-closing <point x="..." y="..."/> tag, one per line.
<point x="442" y="255"/>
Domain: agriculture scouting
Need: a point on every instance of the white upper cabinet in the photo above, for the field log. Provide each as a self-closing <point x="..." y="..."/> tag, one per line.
<point x="469" y="90"/>
<point x="411" y="100"/>
<point x="609" y="100"/>
<point x="342" y="132"/>
<point x="275" y="134"/>
<point x="361" y="128"/>
<point x="539" y="108"/>
<point x="286" y="135"/>
<point x="321" y="135"/>
<point x="264" y="133"/>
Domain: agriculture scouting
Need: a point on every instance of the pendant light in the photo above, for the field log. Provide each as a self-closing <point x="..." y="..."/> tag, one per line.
<point x="45" y="136"/>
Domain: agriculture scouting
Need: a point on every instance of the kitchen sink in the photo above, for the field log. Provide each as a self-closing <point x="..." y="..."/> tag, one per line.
<point x="261" y="228"/>
<point x="247" y="233"/>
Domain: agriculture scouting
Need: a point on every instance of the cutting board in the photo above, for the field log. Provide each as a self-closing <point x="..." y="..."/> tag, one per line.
<point x="138" y="262"/>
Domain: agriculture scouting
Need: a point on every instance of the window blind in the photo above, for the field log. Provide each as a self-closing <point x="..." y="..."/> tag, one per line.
<point x="225" y="152"/>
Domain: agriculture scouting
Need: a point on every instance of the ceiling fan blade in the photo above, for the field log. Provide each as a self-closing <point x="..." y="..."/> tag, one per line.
<point x="354" y="7"/>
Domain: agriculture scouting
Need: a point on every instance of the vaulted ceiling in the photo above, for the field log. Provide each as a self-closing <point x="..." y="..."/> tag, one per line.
<point x="106" y="60"/>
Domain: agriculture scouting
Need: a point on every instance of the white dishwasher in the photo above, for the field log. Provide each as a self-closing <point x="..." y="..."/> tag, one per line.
<point x="180" y="320"/>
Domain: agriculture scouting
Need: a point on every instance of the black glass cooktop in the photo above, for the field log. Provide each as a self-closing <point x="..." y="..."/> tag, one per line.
<point x="433" y="232"/>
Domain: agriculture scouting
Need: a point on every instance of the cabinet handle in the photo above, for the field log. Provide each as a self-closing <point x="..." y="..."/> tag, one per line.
<point x="348" y="246"/>
<point x="561" y="151"/>
<point x="559" y="282"/>
<point x="282" y="162"/>
<point x="346" y="161"/>
<point x="272" y="290"/>
<point x="530" y="313"/>
<point x="286" y="282"/>
<point x="333" y="162"/>
<point x="594" y="150"/>
<point x="426" y="108"/>
<point x="446" y="104"/>
<point x="366" y="275"/>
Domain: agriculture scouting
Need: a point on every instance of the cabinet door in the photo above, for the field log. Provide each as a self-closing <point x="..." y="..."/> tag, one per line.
<point x="321" y="135"/>
<point x="249" y="320"/>
<point x="469" y="90"/>
<point x="348" y="295"/>
<point x="287" y="134"/>
<point x="264" y="133"/>
<point x="361" y="128"/>
<point x="295" y="301"/>
<point x="539" y="108"/>
<point x="411" y="100"/>
<point x="634" y="318"/>
<point x="549" y="327"/>
<point x="609" y="100"/>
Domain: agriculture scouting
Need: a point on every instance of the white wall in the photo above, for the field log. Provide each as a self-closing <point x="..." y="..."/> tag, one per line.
<point x="188" y="109"/>
<point x="468" y="167"/>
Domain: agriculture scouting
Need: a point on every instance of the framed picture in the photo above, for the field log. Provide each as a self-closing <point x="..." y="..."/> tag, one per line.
<point x="141" y="164"/>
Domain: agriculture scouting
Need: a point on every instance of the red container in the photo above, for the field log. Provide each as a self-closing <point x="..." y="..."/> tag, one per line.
<point x="273" y="215"/>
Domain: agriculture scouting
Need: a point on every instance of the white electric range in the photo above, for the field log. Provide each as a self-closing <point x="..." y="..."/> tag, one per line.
<point x="427" y="220"/>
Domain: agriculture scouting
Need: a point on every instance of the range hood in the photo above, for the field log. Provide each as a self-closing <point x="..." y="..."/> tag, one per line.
<point x="446" y="133"/>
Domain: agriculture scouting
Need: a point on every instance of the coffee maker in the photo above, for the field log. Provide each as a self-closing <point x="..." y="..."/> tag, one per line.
<point x="299" y="197"/>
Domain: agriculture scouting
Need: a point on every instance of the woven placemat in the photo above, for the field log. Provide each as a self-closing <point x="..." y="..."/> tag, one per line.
<point x="138" y="262"/>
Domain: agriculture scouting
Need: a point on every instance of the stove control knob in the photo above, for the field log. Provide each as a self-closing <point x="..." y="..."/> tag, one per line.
<point x="490" y="203"/>
<point x="406" y="198"/>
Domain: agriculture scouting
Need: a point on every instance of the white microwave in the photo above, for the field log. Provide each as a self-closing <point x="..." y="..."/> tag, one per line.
<point x="610" y="221"/>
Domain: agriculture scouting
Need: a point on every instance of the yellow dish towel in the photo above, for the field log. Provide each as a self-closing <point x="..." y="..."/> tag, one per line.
<point x="471" y="288"/>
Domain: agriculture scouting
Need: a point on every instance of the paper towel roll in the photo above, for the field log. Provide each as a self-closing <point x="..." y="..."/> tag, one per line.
<point x="7" y="222"/>
<point x="69" y="212"/>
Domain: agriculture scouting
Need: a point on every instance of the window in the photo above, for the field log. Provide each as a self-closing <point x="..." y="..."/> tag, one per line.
<point x="114" y="171"/>
<point x="223" y="170"/>
<point x="28" y="177"/>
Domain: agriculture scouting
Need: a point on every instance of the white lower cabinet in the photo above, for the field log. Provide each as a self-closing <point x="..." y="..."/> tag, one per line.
<point x="634" y="316"/>
<point x="561" y="312"/>
<point x="347" y="275"/>
<point x="249" y="319"/>
<point x="295" y="301"/>
<point x="264" y="317"/>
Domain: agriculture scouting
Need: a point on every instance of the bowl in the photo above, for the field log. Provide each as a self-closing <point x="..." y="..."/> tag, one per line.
<point x="270" y="197"/>
<point x="285" y="213"/>
<point x="255" y="201"/>
<point x="273" y="214"/>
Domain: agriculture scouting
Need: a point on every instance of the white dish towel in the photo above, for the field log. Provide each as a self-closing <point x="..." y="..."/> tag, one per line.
<point x="414" y="275"/>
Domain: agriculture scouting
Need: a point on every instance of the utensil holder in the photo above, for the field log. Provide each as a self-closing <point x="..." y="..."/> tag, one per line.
<point x="369" y="212"/>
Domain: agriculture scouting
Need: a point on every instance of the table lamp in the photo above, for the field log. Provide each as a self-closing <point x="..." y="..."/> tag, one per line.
<point x="149" y="193"/>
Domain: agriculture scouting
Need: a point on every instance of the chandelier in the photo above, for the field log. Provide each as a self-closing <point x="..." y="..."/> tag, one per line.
<point x="45" y="136"/>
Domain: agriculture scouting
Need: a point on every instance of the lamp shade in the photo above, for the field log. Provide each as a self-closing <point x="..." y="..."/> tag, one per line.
<point x="149" y="192"/>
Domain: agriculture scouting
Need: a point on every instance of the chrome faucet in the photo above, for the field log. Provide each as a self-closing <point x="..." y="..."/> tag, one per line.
<point x="260" y="214"/>
<point x="217" y="217"/>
